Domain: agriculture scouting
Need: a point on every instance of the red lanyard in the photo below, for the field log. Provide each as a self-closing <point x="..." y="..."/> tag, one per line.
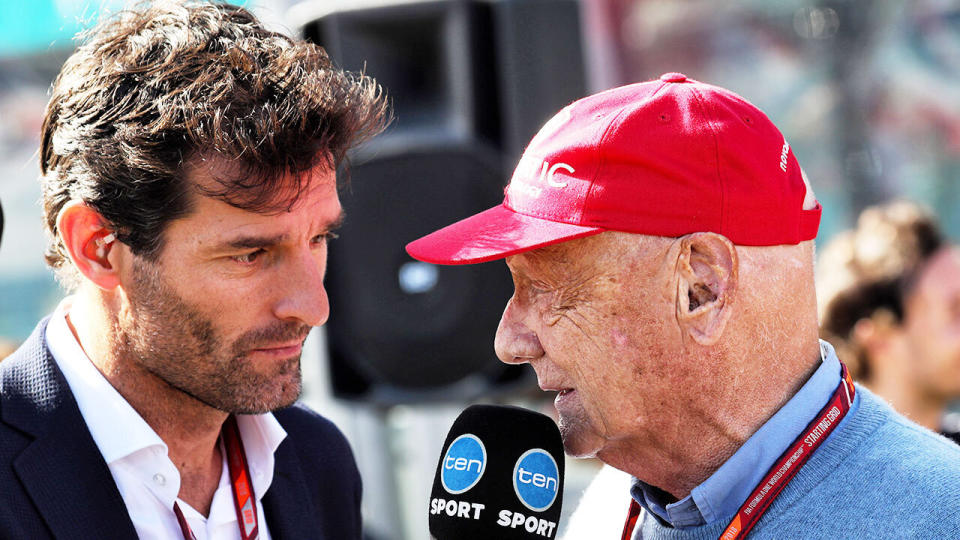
<point x="631" y="519"/>
<point x="784" y="469"/>
<point x="243" y="501"/>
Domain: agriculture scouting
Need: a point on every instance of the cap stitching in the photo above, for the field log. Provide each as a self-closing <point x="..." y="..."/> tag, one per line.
<point x="601" y="156"/>
<point x="716" y="148"/>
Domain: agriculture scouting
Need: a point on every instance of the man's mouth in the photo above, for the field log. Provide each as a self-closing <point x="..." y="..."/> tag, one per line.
<point x="281" y="349"/>
<point x="564" y="399"/>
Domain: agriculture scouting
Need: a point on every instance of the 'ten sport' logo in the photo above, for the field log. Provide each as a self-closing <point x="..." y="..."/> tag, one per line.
<point x="536" y="479"/>
<point x="463" y="464"/>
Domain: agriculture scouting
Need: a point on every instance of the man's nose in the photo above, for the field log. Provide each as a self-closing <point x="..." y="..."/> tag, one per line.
<point x="515" y="342"/>
<point x="304" y="298"/>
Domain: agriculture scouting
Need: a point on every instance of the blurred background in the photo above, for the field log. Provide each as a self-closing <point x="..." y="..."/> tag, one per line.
<point x="866" y="92"/>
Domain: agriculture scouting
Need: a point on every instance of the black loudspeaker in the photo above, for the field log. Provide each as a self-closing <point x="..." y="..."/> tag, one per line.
<point x="471" y="82"/>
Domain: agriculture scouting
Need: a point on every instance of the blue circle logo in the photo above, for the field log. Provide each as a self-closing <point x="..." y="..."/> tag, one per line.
<point x="536" y="479"/>
<point x="463" y="464"/>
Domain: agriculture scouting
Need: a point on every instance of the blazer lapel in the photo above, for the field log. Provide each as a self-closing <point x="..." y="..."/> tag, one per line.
<point x="286" y="504"/>
<point x="62" y="470"/>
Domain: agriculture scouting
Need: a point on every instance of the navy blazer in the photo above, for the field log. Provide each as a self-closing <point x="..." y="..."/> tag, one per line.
<point x="54" y="482"/>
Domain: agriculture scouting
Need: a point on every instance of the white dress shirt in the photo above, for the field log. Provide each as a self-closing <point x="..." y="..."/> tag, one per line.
<point x="138" y="460"/>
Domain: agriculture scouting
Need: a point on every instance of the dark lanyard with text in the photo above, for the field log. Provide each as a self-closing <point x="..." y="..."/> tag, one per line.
<point x="243" y="501"/>
<point x="785" y="468"/>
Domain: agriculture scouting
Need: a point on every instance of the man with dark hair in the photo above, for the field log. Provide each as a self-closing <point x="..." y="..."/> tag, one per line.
<point x="890" y="303"/>
<point x="189" y="161"/>
<point x="660" y="239"/>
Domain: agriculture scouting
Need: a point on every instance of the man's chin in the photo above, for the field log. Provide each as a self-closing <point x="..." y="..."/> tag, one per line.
<point x="264" y="407"/>
<point x="273" y="392"/>
<point x="286" y="395"/>
<point x="576" y="444"/>
<point x="579" y="452"/>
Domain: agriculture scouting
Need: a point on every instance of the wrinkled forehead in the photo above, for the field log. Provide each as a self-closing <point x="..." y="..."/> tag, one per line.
<point x="609" y="251"/>
<point x="568" y="252"/>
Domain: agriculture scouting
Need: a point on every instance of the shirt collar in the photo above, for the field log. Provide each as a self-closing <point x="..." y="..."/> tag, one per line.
<point x="261" y="435"/>
<point x="720" y="496"/>
<point x="118" y="429"/>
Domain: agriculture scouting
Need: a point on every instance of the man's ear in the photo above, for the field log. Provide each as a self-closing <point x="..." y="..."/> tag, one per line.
<point x="90" y="243"/>
<point x="707" y="272"/>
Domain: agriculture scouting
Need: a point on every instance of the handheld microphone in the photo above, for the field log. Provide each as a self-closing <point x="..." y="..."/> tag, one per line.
<point x="500" y="476"/>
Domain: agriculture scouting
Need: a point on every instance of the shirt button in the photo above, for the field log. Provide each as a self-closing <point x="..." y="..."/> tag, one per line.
<point x="160" y="479"/>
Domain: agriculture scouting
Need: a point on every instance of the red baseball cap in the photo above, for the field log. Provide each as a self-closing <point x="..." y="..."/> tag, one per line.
<point x="663" y="158"/>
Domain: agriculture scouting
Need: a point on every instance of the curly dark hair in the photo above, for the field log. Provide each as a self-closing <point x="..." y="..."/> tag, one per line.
<point x="870" y="271"/>
<point x="154" y="89"/>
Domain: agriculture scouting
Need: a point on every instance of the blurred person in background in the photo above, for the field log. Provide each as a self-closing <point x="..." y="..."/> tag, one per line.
<point x="890" y="303"/>
<point x="660" y="239"/>
<point x="189" y="161"/>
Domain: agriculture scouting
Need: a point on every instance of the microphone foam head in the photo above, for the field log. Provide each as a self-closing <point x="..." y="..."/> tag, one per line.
<point x="500" y="475"/>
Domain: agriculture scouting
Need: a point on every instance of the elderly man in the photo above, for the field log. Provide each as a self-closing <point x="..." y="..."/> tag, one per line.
<point x="189" y="158"/>
<point x="660" y="238"/>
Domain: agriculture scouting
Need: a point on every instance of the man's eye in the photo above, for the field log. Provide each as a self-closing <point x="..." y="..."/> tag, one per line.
<point x="326" y="237"/>
<point x="248" y="258"/>
<point x="539" y="287"/>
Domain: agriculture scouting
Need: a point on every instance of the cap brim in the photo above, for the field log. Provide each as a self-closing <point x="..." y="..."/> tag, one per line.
<point x="492" y="234"/>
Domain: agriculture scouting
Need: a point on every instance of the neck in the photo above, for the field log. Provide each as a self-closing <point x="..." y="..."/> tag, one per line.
<point x="188" y="427"/>
<point x="726" y="409"/>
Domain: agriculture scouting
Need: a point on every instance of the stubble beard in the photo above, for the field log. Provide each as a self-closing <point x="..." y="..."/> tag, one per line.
<point x="575" y="431"/>
<point x="175" y="342"/>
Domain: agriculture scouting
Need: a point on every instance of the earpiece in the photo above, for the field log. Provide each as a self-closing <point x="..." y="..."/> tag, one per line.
<point x="102" y="244"/>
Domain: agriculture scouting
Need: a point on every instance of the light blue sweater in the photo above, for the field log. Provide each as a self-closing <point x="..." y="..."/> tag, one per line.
<point x="877" y="476"/>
